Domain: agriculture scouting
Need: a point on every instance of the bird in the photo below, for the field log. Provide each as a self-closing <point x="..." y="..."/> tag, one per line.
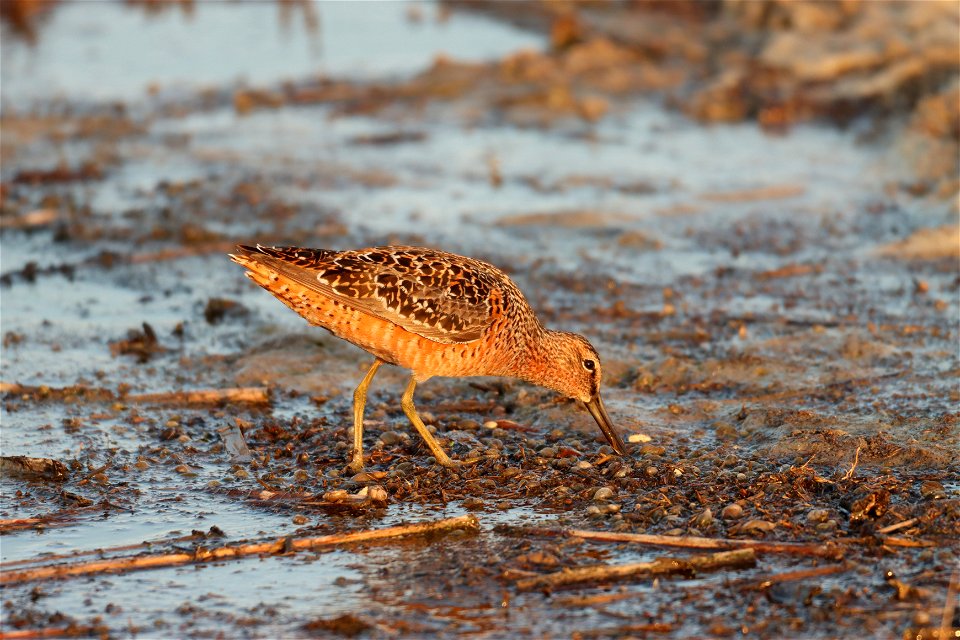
<point x="433" y="313"/>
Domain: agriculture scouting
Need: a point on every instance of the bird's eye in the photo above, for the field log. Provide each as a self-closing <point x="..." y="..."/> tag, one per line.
<point x="589" y="365"/>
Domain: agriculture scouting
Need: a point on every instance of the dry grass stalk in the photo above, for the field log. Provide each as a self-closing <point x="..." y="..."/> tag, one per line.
<point x="661" y="566"/>
<point x="228" y="552"/>
<point x="691" y="542"/>
<point x="245" y="395"/>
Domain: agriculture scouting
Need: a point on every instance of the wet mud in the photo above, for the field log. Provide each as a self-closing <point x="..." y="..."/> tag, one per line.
<point x="763" y="244"/>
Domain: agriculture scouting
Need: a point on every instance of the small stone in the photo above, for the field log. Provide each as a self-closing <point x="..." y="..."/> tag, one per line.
<point x="704" y="520"/>
<point x="818" y="515"/>
<point x="932" y="490"/>
<point x="756" y="527"/>
<point x="472" y="503"/>
<point x="603" y="493"/>
<point x="377" y="494"/>
<point x="594" y="510"/>
<point x="731" y="512"/>
<point x="583" y="465"/>
<point x="725" y="430"/>
<point x="547" y="452"/>
<point x="490" y="424"/>
<point x="652" y="450"/>
<point x="337" y="495"/>
<point x="543" y="558"/>
<point x="827" y="527"/>
<point x="391" y="438"/>
<point x="300" y="519"/>
<point x="651" y="471"/>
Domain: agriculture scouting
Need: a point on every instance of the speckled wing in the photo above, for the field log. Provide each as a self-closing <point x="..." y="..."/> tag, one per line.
<point x="437" y="295"/>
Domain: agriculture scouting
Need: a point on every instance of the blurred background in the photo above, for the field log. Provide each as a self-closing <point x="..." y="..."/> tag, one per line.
<point x="749" y="206"/>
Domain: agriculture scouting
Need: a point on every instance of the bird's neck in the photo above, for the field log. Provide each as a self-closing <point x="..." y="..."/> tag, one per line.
<point x="537" y="362"/>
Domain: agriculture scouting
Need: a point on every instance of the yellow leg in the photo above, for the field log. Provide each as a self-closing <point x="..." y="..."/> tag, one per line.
<point x="407" y="403"/>
<point x="359" y="402"/>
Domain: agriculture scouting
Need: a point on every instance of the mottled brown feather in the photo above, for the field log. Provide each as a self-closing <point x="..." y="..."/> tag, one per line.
<point x="436" y="295"/>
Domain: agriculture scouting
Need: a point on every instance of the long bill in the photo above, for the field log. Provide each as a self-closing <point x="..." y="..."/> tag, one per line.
<point x="599" y="413"/>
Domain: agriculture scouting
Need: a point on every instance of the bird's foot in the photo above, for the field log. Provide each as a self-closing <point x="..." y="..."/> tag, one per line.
<point x="355" y="465"/>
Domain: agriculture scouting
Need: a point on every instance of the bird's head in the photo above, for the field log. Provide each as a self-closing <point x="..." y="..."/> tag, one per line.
<point x="573" y="369"/>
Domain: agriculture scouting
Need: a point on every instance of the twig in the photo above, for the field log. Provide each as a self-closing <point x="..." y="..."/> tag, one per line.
<point x="200" y="554"/>
<point x="95" y="472"/>
<point x="685" y="542"/>
<point x="856" y="461"/>
<point x="946" y="620"/>
<point x="892" y="541"/>
<point x="801" y="574"/>
<point x="660" y="566"/>
<point x="900" y="525"/>
<point x="73" y="631"/>
<point x="246" y="395"/>
<point x="103" y="551"/>
<point x="19" y="523"/>
<point x="589" y="601"/>
<point x="625" y="631"/>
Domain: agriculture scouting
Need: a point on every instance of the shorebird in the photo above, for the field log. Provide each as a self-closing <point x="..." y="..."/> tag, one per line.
<point x="434" y="313"/>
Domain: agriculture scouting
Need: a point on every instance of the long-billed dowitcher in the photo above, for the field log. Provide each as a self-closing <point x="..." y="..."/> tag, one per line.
<point x="434" y="313"/>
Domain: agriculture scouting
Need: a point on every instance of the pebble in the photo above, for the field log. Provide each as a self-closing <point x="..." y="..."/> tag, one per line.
<point x="705" y="519"/>
<point x="583" y="465"/>
<point x="468" y="425"/>
<point x="818" y="515"/>
<point x="376" y="493"/>
<point x="491" y="424"/>
<point x="932" y="490"/>
<point x="652" y="450"/>
<point x="547" y="452"/>
<point x="603" y="493"/>
<point x="472" y="503"/>
<point x="757" y="527"/>
<point x="725" y="430"/>
<point x="651" y="471"/>
<point x="300" y="519"/>
<point x="731" y="512"/>
<point x="391" y="437"/>
<point x="827" y="527"/>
